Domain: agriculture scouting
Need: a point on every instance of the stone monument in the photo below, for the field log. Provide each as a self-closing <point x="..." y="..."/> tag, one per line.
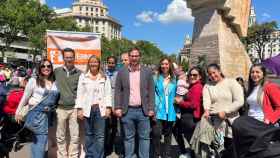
<point x="218" y="26"/>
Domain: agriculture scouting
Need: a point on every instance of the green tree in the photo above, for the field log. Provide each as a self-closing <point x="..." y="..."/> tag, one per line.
<point x="185" y="64"/>
<point x="202" y="62"/>
<point x="258" y="36"/>
<point x="151" y="54"/>
<point x="29" y="19"/>
<point x="12" y="19"/>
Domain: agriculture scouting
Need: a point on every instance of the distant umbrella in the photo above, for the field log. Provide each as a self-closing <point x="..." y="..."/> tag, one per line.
<point x="273" y="64"/>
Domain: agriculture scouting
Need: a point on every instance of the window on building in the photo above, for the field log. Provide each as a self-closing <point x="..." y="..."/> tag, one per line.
<point x="86" y="13"/>
<point x="274" y="50"/>
<point x="102" y="12"/>
<point x="81" y="8"/>
<point x="86" y="8"/>
<point x="91" y="9"/>
<point x="96" y="29"/>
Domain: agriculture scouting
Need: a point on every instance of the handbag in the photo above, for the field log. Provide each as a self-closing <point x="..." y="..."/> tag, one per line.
<point x="32" y="119"/>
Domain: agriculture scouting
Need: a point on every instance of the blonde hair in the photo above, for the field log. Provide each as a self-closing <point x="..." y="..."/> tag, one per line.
<point x="100" y="69"/>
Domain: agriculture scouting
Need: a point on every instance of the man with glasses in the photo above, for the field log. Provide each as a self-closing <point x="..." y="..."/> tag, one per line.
<point x="134" y="103"/>
<point x="67" y="77"/>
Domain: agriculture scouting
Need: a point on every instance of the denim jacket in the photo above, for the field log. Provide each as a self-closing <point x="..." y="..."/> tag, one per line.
<point x="37" y="118"/>
<point x="160" y="103"/>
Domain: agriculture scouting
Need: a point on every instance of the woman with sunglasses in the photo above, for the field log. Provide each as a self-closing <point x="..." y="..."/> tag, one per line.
<point x="93" y="104"/>
<point x="190" y="106"/>
<point x="40" y="95"/>
<point x="222" y="98"/>
<point x="264" y="112"/>
<point x="165" y="92"/>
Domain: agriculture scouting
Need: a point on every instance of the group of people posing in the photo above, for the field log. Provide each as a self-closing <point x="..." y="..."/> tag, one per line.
<point x="146" y="106"/>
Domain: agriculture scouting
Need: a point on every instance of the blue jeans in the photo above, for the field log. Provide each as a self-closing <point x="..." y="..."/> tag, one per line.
<point x="38" y="146"/>
<point x="94" y="134"/>
<point x="132" y="121"/>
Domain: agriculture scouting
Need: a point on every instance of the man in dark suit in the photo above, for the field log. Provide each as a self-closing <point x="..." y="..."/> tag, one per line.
<point x="134" y="103"/>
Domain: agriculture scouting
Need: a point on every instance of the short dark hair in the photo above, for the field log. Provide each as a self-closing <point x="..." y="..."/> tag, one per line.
<point x="111" y="57"/>
<point x="68" y="50"/>
<point x="134" y="48"/>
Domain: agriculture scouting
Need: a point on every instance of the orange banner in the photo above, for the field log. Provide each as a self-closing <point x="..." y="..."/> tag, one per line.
<point x="84" y="44"/>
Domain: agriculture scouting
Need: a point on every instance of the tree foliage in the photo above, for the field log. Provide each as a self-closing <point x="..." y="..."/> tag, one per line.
<point x="258" y="36"/>
<point x="151" y="54"/>
<point x="29" y="19"/>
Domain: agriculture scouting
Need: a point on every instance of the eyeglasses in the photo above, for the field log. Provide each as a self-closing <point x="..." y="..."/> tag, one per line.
<point x="45" y="66"/>
<point x="134" y="56"/>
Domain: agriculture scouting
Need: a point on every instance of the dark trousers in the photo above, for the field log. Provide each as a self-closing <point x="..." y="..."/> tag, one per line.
<point x="159" y="128"/>
<point x="113" y="137"/>
<point x="246" y="130"/>
<point x="188" y="123"/>
<point x="178" y="134"/>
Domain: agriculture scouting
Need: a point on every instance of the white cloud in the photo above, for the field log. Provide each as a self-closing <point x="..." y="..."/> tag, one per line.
<point x="266" y="15"/>
<point x="147" y="16"/>
<point x="177" y="11"/>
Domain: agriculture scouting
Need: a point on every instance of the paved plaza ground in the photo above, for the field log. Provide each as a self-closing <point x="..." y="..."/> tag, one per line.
<point x="25" y="152"/>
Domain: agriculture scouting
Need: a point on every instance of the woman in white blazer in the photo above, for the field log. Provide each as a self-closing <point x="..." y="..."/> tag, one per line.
<point x="94" y="103"/>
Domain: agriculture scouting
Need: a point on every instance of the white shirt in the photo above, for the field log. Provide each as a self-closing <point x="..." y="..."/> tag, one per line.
<point x="33" y="94"/>
<point x="166" y="93"/>
<point x="255" y="109"/>
<point x="93" y="92"/>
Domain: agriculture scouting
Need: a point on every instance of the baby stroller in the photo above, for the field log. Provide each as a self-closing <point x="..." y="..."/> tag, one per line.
<point x="12" y="136"/>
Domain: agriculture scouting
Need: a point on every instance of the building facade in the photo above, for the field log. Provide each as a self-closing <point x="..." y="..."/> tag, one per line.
<point x="186" y="50"/>
<point x="271" y="48"/>
<point x="93" y="14"/>
<point x="252" y="17"/>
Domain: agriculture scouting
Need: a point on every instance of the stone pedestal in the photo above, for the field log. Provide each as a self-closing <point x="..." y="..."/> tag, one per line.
<point x="217" y="28"/>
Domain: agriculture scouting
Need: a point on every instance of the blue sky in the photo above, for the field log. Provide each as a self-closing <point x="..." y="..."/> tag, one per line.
<point x="162" y="21"/>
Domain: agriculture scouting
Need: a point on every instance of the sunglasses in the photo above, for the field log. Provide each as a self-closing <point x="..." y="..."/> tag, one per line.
<point x="45" y="66"/>
<point x="193" y="75"/>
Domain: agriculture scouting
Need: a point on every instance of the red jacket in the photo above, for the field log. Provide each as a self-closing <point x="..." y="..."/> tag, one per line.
<point x="271" y="102"/>
<point x="12" y="101"/>
<point x="194" y="99"/>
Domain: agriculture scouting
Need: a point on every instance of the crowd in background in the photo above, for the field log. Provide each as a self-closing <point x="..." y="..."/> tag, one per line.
<point x="135" y="111"/>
